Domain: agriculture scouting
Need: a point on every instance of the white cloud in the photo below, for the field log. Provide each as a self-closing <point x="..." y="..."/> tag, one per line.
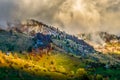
<point x="80" y="15"/>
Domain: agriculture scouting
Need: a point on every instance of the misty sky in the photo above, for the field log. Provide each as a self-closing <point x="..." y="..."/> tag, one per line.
<point x="73" y="16"/>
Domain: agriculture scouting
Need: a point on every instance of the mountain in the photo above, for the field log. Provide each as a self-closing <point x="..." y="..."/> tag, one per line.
<point x="14" y="42"/>
<point x="49" y="53"/>
<point x="34" y="36"/>
<point x="48" y="34"/>
<point x="102" y="41"/>
<point x="106" y="37"/>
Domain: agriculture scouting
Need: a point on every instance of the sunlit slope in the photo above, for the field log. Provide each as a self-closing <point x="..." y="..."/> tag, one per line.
<point x="113" y="48"/>
<point x="56" y="66"/>
<point x="47" y="67"/>
<point x="103" y="42"/>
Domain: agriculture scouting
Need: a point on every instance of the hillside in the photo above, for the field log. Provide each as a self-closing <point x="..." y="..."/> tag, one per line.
<point x="55" y="66"/>
<point x="41" y="32"/>
<point x="103" y="42"/>
<point x="14" y="41"/>
<point x="32" y="50"/>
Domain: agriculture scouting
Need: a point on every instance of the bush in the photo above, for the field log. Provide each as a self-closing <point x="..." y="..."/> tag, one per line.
<point x="62" y="69"/>
<point x="99" y="77"/>
<point x="80" y="72"/>
<point x="71" y="73"/>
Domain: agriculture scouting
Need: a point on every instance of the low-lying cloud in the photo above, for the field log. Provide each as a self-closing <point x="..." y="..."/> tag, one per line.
<point x="73" y="16"/>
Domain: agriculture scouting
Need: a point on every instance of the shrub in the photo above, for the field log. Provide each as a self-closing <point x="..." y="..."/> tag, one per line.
<point x="71" y="73"/>
<point x="62" y="69"/>
<point x="99" y="77"/>
<point x="81" y="72"/>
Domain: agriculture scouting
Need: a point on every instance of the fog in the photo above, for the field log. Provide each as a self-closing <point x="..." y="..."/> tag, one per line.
<point x="72" y="16"/>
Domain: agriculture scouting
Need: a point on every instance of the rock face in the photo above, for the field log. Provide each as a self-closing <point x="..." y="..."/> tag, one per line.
<point x="43" y="35"/>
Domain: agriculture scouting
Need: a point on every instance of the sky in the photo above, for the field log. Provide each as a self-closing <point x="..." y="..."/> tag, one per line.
<point x="72" y="16"/>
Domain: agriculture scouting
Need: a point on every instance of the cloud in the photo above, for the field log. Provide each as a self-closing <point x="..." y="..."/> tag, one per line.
<point x="7" y="8"/>
<point x="69" y="15"/>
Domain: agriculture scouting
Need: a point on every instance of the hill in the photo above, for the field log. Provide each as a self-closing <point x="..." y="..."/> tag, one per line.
<point x="54" y="66"/>
<point x="32" y="50"/>
<point x="42" y="33"/>
<point x="14" y="42"/>
<point x="102" y="41"/>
